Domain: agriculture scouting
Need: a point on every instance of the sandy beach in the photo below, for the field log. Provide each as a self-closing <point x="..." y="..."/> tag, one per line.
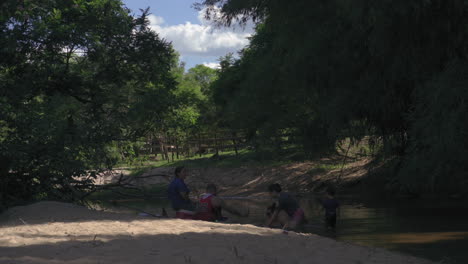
<point x="53" y="232"/>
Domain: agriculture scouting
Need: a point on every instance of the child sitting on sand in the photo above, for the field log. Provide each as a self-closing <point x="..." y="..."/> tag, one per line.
<point x="210" y="206"/>
<point x="330" y="204"/>
<point x="285" y="210"/>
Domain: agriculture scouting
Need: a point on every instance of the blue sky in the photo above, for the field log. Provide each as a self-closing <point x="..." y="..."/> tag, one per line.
<point x="174" y="12"/>
<point x="197" y="41"/>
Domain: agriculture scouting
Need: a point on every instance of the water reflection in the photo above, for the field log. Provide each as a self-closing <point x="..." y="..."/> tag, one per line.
<point x="419" y="238"/>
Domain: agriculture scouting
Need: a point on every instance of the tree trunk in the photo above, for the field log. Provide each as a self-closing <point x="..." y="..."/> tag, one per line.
<point x="150" y="140"/>
<point x="176" y="141"/>
<point x="166" y="153"/>
<point x="161" y="147"/>
<point x="199" y="145"/>
<point x="216" y="144"/>
<point x="234" y="141"/>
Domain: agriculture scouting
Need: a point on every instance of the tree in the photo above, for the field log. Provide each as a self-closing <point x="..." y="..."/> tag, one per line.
<point x="75" y="77"/>
<point x="330" y="70"/>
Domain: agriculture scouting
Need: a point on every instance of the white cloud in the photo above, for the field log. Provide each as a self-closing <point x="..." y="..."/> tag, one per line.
<point x="201" y="39"/>
<point x="212" y="65"/>
<point x="155" y="20"/>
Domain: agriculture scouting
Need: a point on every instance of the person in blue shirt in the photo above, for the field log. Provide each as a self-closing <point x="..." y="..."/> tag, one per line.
<point x="178" y="194"/>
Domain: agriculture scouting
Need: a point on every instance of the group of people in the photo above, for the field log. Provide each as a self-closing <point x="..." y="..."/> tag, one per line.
<point x="285" y="211"/>
<point x="209" y="206"/>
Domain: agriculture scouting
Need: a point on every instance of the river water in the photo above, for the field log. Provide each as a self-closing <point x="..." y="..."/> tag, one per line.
<point x="431" y="230"/>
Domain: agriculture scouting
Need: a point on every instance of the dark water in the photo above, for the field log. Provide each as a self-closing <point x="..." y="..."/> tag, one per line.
<point x="436" y="231"/>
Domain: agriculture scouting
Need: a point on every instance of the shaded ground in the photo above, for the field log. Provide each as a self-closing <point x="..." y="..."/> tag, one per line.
<point x="300" y="177"/>
<point x="51" y="232"/>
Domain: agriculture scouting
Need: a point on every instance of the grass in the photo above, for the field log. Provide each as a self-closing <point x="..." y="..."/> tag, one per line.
<point x="250" y="158"/>
<point x="361" y="148"/>
<point x="225" y="159"/>
<point x="146" y="162"/>
<point x="324" y="167"/>
<point x="245" y="158"/>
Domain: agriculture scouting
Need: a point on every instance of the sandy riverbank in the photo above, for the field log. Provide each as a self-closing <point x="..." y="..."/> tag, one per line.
<point x="251" y="181"/>
<point x="51" y="232"/>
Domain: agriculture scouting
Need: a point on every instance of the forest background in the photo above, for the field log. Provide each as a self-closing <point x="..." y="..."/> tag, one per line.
<point x="85" y="86"/>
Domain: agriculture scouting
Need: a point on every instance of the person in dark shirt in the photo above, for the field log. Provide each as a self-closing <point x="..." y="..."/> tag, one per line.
<point x="285" y="210"/>
<point x="178" y="194"/>
<point x="330" y="205"/>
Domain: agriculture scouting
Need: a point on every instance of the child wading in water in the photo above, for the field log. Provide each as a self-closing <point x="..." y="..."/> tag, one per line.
<point x="285" y="210"/>
<point x="331" y="205"/>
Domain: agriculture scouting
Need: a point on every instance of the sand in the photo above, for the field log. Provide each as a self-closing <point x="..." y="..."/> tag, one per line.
<point x="52" y="232"/>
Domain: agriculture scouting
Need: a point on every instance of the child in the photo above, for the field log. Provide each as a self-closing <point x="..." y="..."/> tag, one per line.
<point x="210" y="206"/>
<point x="330" y="204"/>
<point x="285" y="210"/>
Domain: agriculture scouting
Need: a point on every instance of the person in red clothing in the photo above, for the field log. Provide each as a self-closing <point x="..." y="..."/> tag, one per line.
<point x="210" y="206"/>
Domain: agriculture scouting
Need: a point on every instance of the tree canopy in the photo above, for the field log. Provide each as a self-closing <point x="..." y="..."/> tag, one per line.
<point x="75" y="76"/>
<point x="330" y="70"/>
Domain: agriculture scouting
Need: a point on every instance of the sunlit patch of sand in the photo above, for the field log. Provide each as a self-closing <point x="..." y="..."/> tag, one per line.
<point x="61" y="233"/>
<point x="105" y="230"/>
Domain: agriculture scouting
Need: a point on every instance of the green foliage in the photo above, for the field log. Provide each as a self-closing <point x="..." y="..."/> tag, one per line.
<point x="193" y="110"/>
<point x="75" y="77"/>
<point x="330" y="70"/>
<point x="83" y="82"/>
<point x="323" y="168"/>
<point x="437" y="154"/>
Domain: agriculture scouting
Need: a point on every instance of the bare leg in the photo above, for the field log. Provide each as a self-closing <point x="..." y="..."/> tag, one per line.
<point x="292" y="224"/>
<point x="287" y="222"/>
<point x="280" y="220"/>
<point x="283" y="218"/>
<point x="233" y="210"/>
